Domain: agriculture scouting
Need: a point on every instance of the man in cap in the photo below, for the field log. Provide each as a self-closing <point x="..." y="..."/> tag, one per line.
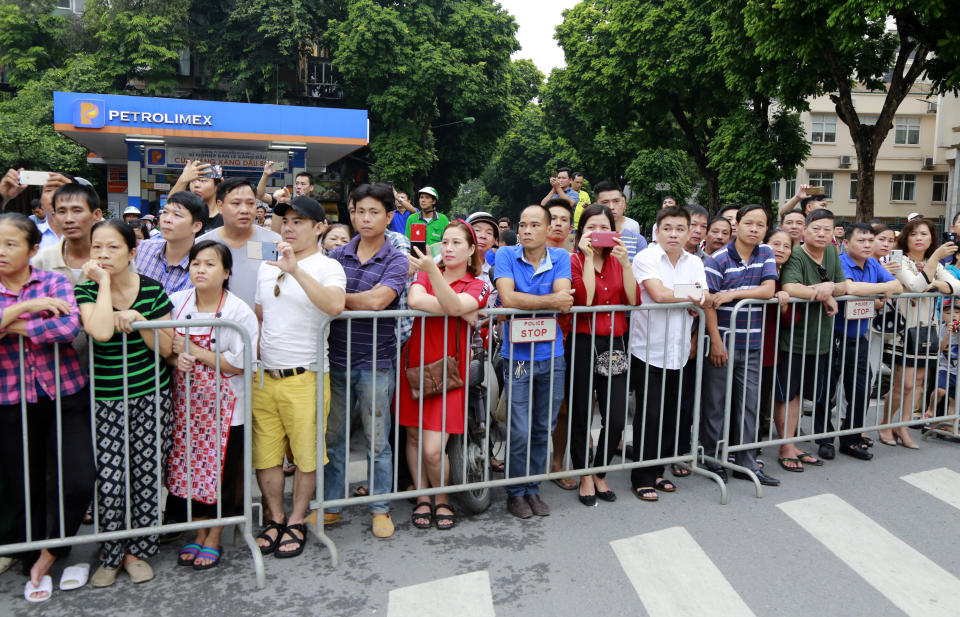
<point x="294" y="294"/>
<point x="132" y="213"/>
<point x="488" y="232"/>
<point x="435" y="221"/>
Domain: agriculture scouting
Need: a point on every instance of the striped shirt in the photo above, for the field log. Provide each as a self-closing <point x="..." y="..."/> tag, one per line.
<point x="388" y="268"/>
<point x="151" y="261"/>
<point x="726" y="271"/>
<point x="108" y="368"/>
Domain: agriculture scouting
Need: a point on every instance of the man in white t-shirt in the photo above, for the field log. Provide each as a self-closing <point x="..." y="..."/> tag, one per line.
<point x="293" y="296"/>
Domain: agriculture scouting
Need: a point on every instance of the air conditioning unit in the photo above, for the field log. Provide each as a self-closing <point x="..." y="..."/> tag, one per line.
<point x="931" y="107"/>
<point x="928" y="162"/>
<point x="846" y="160"/>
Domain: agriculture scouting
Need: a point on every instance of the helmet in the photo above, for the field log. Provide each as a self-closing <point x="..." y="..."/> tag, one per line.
<point x="485" y="217"/>
<point x="131" y="210"/>
<point x="429" y="190"/>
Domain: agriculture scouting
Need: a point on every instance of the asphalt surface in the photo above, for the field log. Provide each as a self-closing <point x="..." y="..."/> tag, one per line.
<point x="565" y="564"/>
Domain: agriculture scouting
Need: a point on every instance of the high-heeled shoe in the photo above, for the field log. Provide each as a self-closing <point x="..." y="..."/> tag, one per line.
<point x="892" y="442"/>
<point x="588" y="500"/>
<point x="902" y="442"/>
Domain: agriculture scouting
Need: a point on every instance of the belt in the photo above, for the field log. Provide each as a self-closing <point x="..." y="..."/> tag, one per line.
<point x="281" y="373"/>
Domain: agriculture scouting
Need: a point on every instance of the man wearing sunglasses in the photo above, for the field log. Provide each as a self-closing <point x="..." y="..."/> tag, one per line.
<point x="293" y="295"/>
<point x="814" y="273"/>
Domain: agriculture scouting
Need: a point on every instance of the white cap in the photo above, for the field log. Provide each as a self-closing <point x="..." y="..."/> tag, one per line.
<point x="914" y="215"/>
<point x="131" y="210"/>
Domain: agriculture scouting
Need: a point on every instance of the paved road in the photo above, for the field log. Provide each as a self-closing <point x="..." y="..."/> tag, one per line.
<point x="849" y="538"/>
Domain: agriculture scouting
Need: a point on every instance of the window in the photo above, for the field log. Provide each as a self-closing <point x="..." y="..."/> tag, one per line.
<point x="906" y="131"/>
<point x="824" y="128"/>
<point x="853" y="186"/>
<point x="791" y="187"/>
<point x="775" y="191"/>
<point x="939" y="187"/>
<point x="824" y="179"/>
<point x="868" y="119"/>
<point x="903" y="187"/>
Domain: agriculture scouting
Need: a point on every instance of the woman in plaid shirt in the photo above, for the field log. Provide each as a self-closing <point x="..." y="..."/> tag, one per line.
<point x="38" y="314"/>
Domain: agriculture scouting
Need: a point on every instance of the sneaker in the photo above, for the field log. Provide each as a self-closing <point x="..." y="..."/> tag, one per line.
<point x="537" y="505"/>
<point x="382" y="525"/>
<point x="519" y="507"/>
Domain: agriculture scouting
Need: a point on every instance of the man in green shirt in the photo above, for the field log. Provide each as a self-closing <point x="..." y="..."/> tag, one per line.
<point x="435" y="221"/>
<point x="813" y="273"/>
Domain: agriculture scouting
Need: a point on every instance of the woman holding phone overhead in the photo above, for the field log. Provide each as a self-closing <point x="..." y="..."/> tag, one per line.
<point x="602" y="275"/>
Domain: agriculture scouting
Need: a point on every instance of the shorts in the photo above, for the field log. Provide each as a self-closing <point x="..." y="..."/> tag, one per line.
<point x="947" y="381"/>
<point x="285" y="416"/>
<point x="801" y="375"/>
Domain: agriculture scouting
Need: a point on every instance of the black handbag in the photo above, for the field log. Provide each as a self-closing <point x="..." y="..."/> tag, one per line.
<point x="921" y="341"/>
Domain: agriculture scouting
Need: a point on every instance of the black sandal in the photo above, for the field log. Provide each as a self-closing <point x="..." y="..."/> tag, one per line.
<point x="445" y="518"/>
<point x="422" y="520"/>
<point x="679" y="471"/>
<point x="665" y="485"/>
<point x="300" y="542"/>
<point x="646" y="494"/>
<point x="270" y="526"/>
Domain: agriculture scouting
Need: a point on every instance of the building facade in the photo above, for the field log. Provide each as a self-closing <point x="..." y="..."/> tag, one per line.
<point x="916" y="168"/>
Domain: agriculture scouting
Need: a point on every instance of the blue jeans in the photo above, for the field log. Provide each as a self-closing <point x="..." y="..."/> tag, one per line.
<point x="532" y="419"/>
<point x="367" y="388"/>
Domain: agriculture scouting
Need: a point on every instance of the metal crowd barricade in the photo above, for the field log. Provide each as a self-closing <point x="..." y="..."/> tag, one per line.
<point x="470" y="472"/>
<point x="831" y="410"/>
<point x="243" y="520"/>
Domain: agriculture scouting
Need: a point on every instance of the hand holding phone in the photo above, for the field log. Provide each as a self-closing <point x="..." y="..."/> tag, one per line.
<point x="896" y="256"/>
<point x="34" y="178"/>
<point x="816" y="191"/>
<point x="682" y="291"/>
<point x="418" y="237"/>
<point x="604" y="239"/>
<point x="270" y="251"/>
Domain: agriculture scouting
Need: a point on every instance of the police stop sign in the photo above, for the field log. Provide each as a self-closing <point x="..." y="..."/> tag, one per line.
<point x="533" y="330"/>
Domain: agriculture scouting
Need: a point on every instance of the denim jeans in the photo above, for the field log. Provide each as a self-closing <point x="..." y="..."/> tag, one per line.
<point x="532" y="419"/>
<point x="367" y="388"/>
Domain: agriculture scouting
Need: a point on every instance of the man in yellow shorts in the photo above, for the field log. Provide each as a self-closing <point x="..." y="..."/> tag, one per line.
<point x="295" y="291"/>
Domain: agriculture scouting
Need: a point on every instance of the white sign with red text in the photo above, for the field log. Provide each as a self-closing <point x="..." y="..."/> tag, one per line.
<point x="533" y="330"/>
<point x="860" y="309"/>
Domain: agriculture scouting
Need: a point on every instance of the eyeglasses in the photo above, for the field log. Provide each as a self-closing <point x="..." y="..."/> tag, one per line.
<point x="824" y="277"/>
<point x="276" y="287"/>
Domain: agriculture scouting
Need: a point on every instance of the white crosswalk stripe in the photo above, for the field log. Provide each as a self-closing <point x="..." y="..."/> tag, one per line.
<point x="914" y="583"/>
<point x="674" y="577"/>
<point x="942" y="483"/>
<point x="466" y="595"/>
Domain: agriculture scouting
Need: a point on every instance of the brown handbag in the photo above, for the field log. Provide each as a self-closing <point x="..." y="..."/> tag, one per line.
<point x="433" y="383"/>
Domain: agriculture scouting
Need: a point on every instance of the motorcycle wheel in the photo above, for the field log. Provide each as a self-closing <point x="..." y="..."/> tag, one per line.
<point x="475" y="500"/>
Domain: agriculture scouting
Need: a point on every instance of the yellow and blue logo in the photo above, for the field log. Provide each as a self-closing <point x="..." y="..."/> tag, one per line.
<point x="156" y="157"/>
<point x="89" y="113"/>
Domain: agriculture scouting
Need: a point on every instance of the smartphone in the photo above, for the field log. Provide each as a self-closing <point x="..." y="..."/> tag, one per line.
<point x="418" y="238"/>
<point x="815" y="191"/>
<point x="604" y="239"/>
<point x="949" y="236"/>
<point x="688" y="290"/>
<point x="896" y="255"/>
<point x="270" y="251"/>
<point x="214" y="171"/>
<point x="34" y="178"/>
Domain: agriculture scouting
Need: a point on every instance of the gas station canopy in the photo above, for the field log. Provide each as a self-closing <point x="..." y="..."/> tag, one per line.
<point x="141" y="137"/>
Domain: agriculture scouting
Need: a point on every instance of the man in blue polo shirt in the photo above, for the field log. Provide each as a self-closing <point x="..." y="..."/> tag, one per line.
<point x="560" y="189"/>
<point x="532" y="276"/>
<point x="743" y="269"/>
<point x="363" y="351"/>
<point x="851" y="342"/>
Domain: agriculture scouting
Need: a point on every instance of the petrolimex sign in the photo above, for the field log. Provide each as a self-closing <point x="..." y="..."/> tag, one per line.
<point x="94" y="114"/>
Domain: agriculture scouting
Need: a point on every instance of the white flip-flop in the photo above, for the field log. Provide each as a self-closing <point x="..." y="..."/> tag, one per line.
<point x="74" y="577"/>
<point x="46" y="585"/>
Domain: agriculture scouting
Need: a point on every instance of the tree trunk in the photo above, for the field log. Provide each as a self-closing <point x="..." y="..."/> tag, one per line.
<point x="713" y="190"/>
<point x="866" y="174"/>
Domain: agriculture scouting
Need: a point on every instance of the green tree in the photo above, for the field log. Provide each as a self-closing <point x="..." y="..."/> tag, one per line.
<point x="649" y="168"/>
<point x="852" y="48"/>
<point x="28" y="29"/>
<point x="417" y="65"/>
<point x="523" y="161"/>
<point x="472" y="196"/>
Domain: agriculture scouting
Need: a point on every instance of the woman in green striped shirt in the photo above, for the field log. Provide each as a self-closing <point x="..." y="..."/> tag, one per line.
<point x="131" y="393"/>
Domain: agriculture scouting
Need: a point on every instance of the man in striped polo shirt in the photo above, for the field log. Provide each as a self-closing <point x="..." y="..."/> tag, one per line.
<point x="743" y="269"/>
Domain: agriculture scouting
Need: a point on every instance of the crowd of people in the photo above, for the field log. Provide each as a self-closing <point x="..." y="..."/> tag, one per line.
<point x="78" y="292"/>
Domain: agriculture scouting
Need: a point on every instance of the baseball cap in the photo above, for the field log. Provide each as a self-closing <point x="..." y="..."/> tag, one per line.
<point x="429" y="190"/>
<point x="914" y="215"/>
<point x="307" y="206"/>
<point x="131" y="210"/>
<point x="485" y="217"/>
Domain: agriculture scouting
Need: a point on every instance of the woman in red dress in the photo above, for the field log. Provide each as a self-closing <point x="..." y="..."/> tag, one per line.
<point x="454" y="291"/>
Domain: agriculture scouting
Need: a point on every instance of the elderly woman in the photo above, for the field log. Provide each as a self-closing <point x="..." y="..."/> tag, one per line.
<point x="208" y="449"/>
<point x="38" y="314"/>
<point x="132" y="398"/>
<point x="916" y="348"/>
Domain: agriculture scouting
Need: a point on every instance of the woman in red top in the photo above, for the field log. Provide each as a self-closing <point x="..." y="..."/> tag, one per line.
<point x="782" y="244"/>
<point x="454" y="291"/>
<point x="601" y="276"/>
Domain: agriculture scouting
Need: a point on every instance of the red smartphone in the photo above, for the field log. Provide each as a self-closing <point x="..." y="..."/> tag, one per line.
<point x="604" y="239"/>
<point x="418" y="237"/>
